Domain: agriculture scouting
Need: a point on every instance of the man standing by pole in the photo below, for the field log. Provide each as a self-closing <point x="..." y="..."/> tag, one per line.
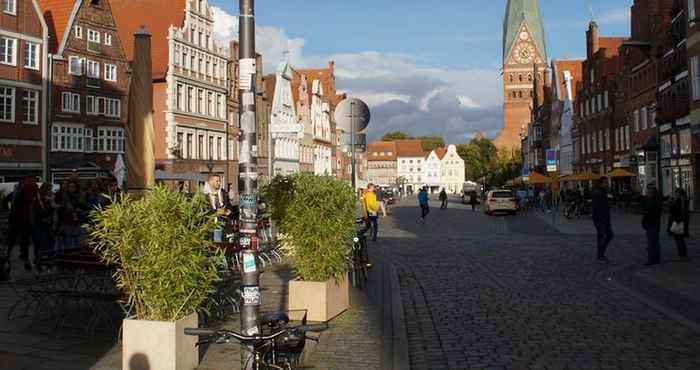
<point x="248" y="176"/>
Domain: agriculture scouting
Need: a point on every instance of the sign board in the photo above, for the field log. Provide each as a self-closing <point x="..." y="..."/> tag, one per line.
<point x="551" y="157"/>
<point x="352" y="115"/>
<point x="360" y="139"/>
<point x="251" y="296"/>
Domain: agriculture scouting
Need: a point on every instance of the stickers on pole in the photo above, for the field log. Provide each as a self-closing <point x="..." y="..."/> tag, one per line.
<point x="246" y="72"/>
<point x="251" y="296"/>
<point x="248" y="260"/>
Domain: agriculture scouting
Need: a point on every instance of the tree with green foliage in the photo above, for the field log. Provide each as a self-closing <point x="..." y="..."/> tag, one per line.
<point x="396" y="135"/>
<point x="430" y="143"/>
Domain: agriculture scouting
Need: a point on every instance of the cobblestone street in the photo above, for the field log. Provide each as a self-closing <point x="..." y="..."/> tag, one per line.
<point x="512" y="292"/>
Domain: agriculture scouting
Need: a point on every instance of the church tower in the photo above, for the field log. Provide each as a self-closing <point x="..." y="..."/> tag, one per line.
<point x="524" y="53"/>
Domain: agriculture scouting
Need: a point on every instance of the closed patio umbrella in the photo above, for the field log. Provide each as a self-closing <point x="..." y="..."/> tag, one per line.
<point x="140" y="159"/>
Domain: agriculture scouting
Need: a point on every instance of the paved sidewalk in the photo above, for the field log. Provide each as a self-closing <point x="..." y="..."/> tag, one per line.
<point x="30" y="344"/>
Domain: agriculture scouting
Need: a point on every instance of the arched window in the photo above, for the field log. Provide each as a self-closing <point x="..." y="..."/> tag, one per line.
<point x="511" y="77"/>
<point x="520" y="77"/>
<point x="529" y="77"/>
<point x="520" y="94"/>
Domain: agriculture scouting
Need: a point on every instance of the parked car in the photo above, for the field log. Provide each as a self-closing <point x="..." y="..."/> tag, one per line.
<point x="502" y="200"/>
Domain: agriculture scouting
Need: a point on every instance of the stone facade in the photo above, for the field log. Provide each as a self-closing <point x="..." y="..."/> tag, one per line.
<point x="287" y="132"/>
<point x="23" y="90"/>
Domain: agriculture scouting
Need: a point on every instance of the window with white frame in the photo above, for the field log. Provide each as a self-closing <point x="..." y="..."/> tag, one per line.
<point x="652" y="118"/>
<point x="89" y="141"/>
<point x="108" y="39"/>
<point x="93" y="36"/>
<point x="695" y="75"/>
<point x="75" y="65"/>
<point x="110" y="72"/>
<point x="605" y="100"/>
<point x="31" y="55"/>
<point x="210" y="104"/>
<point x="70" y="102"/>
<point x="30" y="103"/>
<point x="93" y="69"/>
<point x="635" y="119"/>
<point x="67" y="137"/>
<point x="114" y="107"/>
<point x="643" y="117"/>
<point x="685" y="139"/>
<point x="7" y="104"/>
<point x="601" y="141"/>
<point x="110" y="140"/>
<point x="607" y="139"/>
<point x="600" y="102"/>
<point x="91" y="105"/>
<point x="8" y="51"/>
<point x="220" y="106"/>
<point x="179" y="93"/>
<point x="191" y="106"/>
<point x="201" y="109"/>
<point x="78" y="31"/>
<point x="666" y="146"/>
<point x="627" y="137"/>
<point x="9" y="6"/>
<point x="691" y="12"/>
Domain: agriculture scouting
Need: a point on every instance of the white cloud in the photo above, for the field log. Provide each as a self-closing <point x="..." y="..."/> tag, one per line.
<point x="404" y="91"/>
<point x="614" y="16"/>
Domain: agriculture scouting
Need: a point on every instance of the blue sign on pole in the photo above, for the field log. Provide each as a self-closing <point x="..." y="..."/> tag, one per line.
<point x="551" y="156"/>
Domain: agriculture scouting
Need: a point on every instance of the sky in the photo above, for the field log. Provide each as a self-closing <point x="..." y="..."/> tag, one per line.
<point x="424" y="67"/>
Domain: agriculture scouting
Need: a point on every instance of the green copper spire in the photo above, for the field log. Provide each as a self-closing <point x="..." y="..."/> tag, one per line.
<point x="518" y="11"/>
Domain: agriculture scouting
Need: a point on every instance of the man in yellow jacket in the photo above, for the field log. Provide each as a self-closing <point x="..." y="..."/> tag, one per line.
<point x="371" y="207"/>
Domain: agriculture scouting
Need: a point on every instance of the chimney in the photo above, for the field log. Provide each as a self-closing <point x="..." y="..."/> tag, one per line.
<point x="592" y="42"/>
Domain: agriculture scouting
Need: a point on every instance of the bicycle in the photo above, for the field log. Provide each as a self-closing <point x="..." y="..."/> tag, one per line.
<point x="359" y="259"/>
<point x="281" y="349"/>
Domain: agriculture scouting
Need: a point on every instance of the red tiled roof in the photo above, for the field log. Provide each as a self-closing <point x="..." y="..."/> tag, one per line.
<point x="327" y="78"/>
<point x="409" y="148"/>
<point x="611" y="44"/>
<point x="56" y="13"/>
<point x="575" y="67"/>
<point x="441" y="153"/>
<point x="380" y="147"/>
<point x="157" y="16"/>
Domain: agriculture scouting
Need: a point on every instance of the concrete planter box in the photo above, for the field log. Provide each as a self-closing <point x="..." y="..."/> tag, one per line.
<point x="323" y="300"/>
<point x="150" y="345"/>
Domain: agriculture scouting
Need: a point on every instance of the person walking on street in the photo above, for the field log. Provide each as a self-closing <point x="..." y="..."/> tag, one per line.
<point x="601" y="217"/>
<point x="472" y="200"/>
<point x="443" y="199"/>
<point x="678" y="223"/>
<point x="20" y="220"/>
<point x="424" y="203"/>
<point x="651" y="223"/>
<point x="380" y="201"/>
<point x="372" y="210"/>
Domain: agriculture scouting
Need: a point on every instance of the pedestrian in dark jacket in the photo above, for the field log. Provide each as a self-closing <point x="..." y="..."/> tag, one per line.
<point x="443" y="199"/>
<point x="472" y="200"/>
<point x="424" y="203"/>
<point x="651" y="222"/>
<point x="679" y="216"/>
<point x="601" y="217"/>
<point x="20" y="221"/>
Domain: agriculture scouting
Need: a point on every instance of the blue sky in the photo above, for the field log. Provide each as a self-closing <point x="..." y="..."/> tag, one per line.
<point x="422" y="67"/>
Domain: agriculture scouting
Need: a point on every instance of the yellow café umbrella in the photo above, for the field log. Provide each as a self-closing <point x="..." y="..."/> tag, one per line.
<point x="620" y="173"/>
<point x="588" y="176"/>
<point x="537" y="178"/>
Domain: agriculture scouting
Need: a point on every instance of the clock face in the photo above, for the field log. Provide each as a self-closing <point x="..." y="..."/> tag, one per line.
<point x="524" y="53"/>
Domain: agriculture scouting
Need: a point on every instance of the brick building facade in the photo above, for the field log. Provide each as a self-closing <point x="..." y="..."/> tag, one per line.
<point x="23" y="90"/>
<point x="89" y="95"/>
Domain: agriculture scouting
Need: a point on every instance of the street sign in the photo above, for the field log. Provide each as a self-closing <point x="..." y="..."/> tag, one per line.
<point x="349" y="111"/>
<point x="551" y="156"/>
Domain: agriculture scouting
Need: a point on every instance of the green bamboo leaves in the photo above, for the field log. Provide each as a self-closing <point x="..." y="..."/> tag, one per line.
<point x="159" y="245"/>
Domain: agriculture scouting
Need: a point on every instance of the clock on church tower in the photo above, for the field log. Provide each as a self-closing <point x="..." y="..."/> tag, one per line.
<point x="524" y="54"/>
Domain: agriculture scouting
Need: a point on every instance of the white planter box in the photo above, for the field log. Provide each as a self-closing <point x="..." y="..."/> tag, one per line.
<point x="322" y="300"/>
<point x="159" y="345"/>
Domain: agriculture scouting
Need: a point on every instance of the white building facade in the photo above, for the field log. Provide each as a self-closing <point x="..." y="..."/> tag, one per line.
<point x="321" y="123"/>
<point x="452" y="172"/>
<point x="285" y="127"/>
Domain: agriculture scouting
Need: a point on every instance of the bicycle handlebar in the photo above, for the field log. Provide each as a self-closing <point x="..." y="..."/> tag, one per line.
<point x="223" y="333"/>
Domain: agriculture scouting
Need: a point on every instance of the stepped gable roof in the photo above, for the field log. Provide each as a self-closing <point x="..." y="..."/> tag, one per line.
<point x="410" y="148"/>
<point x="57" y="13"/>
<point x="385" y="151"/>
<point x="157" y="16"/>
<point x="517" y="12"/>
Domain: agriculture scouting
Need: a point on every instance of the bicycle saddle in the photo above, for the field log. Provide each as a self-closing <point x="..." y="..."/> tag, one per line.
<point x="274" y="319"/>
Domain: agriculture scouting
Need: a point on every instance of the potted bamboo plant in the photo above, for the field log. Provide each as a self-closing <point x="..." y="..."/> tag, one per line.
<point x="317" y="228"/>
<point x="159" y="246"/>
